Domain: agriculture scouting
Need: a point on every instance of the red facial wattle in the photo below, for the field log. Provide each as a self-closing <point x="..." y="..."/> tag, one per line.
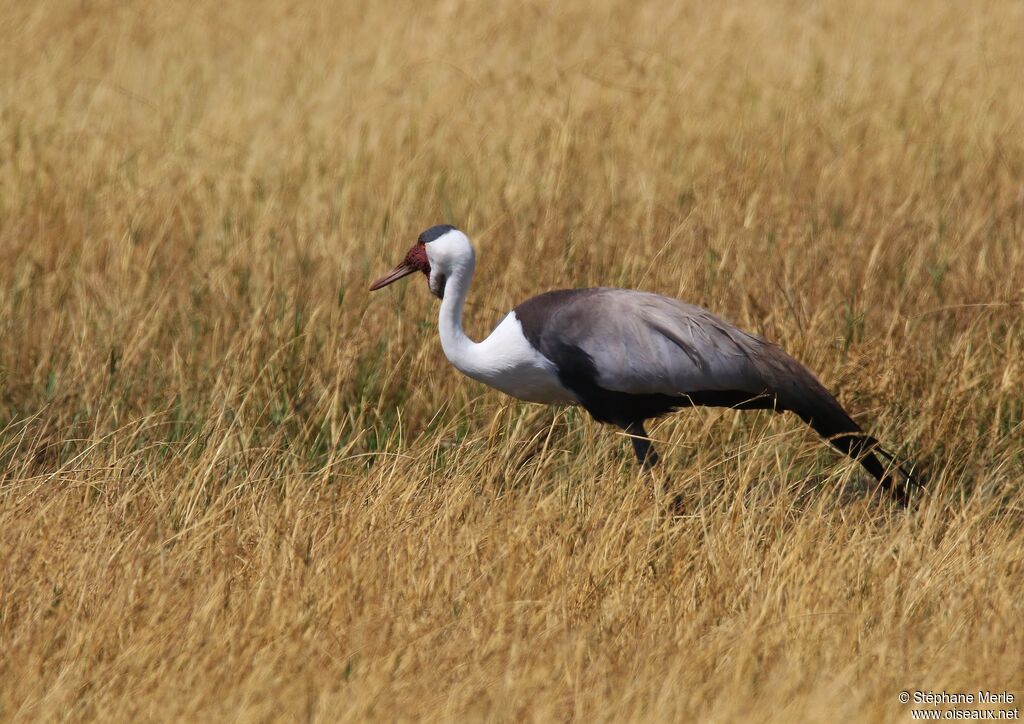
<point x="415" y="260"/>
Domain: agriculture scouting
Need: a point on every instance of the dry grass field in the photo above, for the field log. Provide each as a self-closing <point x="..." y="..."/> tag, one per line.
<point x="234" y="485"/>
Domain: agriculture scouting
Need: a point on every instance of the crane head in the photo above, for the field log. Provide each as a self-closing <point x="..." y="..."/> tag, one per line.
<point x="438" y="252"/>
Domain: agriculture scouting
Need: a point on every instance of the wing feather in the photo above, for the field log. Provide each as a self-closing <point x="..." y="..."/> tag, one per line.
<point x="641" y="343"/>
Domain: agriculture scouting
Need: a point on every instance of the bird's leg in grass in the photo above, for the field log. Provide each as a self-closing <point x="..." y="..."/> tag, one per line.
<point x="648" y="459"/>
<point x="645" y="453"/>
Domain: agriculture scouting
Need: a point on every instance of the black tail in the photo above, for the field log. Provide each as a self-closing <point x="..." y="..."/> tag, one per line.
<point x="830" y="421"/>
<point x="795" y="388"/>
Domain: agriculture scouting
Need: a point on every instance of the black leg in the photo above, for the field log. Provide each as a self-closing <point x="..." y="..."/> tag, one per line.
<point x="648" y="458"/>
<point x="645" y="453"/>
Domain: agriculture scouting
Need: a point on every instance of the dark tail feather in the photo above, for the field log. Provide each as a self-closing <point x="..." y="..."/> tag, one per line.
<point x="910" y="481"/>
<point x="830" y="421"/>
<point x="796" y="389"/>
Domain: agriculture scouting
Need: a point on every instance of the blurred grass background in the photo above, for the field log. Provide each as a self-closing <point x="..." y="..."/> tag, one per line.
<point x="235" y="485"/>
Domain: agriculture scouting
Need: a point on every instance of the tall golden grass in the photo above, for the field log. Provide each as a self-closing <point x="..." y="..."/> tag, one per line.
<point x="237" y="486"/>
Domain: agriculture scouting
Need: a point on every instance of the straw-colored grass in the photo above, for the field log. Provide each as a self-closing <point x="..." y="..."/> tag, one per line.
<point x="235" y="485"/>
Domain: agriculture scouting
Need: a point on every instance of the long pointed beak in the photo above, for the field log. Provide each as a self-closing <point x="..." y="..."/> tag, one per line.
<point x="402" y="270"/>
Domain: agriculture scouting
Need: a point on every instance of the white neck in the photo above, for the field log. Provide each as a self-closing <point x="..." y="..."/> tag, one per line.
<point x="460" y="350"/>
<point x="505" y="360"/>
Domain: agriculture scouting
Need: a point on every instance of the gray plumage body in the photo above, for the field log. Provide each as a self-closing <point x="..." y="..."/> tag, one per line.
<point x="644" y="343"/>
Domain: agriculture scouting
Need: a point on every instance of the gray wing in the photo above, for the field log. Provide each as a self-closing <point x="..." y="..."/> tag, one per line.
<point x="641" y="343"/>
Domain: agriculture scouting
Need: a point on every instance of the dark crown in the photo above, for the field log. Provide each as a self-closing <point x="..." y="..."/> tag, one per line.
<point x="435" y="232"/>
